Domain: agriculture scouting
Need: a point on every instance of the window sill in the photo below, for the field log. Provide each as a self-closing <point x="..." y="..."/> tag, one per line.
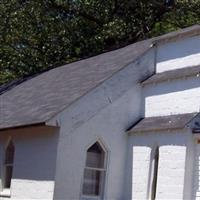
<point x="5" y="193"/>
<point x="90" y="197"/>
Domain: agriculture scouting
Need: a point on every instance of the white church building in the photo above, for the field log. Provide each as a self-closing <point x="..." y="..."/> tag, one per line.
<point x="123" y="125"/>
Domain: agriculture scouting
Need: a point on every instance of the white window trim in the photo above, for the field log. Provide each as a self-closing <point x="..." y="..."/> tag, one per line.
<point x="6" y="192"/>
<point x="96" y="169"/>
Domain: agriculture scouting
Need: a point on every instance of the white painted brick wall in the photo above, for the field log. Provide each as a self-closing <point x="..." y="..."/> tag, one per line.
<point x="171" y="172"/>
<point x="32" y="189"/>
<point x="171" y="180"/>
<point x="140" y="172"/>
<point x="175" y="97"/>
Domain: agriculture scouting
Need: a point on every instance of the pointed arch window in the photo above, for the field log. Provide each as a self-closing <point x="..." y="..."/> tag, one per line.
<point x="94" y="172"/>
<point x="8" y="164"/>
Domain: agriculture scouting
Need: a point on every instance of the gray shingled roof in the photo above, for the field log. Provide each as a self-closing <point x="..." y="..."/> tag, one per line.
<point x="39" y="98"/>
<point x="8" y="86"/>
<point x="161" y="123"/>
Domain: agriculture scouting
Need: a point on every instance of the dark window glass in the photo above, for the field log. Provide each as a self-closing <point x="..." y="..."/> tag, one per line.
<point x="91" y="182"/>
<point x="9" y="158"/>
<point x="155" y="174"/>
<point x="10" y="150"/>
<point x="95" y="156"/>
<point x="8" y="176"/>
<point x="94" y="171"/>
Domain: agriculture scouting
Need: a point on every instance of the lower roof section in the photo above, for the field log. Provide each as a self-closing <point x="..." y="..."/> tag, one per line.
<point x="173" y="74"/>
<point x="179" y="121"/>
<point x="25" y="126"/>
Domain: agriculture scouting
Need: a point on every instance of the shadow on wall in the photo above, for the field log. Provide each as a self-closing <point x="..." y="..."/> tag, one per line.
<point x="179" y="49"/>
<point x="196" y="181"/>
<point x="35" y="153"/>
<point x="171" y="86"/>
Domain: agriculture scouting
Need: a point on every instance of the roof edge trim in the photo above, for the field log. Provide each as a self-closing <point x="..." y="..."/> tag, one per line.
<point x="27" y="126"/>
<point x="177" y="35"/>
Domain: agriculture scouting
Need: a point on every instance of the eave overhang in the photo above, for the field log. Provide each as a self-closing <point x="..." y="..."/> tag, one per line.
<point x="34" y="125"/>
<point x="167" y="123"/>
<point x="193" y="71"/>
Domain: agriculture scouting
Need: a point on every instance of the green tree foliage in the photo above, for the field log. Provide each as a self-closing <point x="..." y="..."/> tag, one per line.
<point x="41" y="34"/>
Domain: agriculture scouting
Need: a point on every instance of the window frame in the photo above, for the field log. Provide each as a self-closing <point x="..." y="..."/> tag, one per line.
<point x="103" y="169"/>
